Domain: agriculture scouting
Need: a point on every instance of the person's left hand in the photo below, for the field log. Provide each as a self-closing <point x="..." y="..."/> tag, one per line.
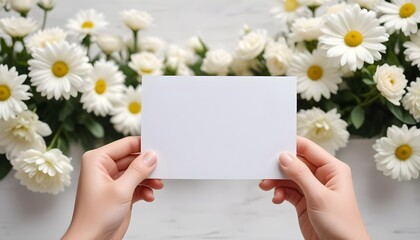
<point x="112" y="179"/>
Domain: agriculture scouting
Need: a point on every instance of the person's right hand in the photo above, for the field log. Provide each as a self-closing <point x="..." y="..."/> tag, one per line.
<point x="321" y="190"/>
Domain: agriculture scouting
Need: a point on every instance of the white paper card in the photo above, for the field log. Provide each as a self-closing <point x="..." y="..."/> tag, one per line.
<point x="218" y="127"/>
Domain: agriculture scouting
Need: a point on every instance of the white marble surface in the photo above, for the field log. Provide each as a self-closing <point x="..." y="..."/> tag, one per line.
<point x="209" y="209"/>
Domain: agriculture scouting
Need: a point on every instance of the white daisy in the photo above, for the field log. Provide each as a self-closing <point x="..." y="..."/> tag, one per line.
<point x="412" y="51"/>
<point x="58" y="70"/>
<point x="43" y="171"/>
<point x="353" y="37"/>
<point x="251" y="45"/>
<point x="326" y="129"/>
<point x="316" y="77"/>
<point x="411" y="101"/>
<point x="104" y="87"/>
<point x="41" y="38"/>
<point x="391" y="82"/>
<point x="315" y="3"/>
<point x="278" y="56"/>
<point x="110" y="43"/>
<point x="87" y="22"/>
<point x="22" y="133"/>
<point x="288" y="10"/>
<point x="306" y="29"/>
<point x="136" y="20"/>
<point x="217" y="62"/>
<point x="401" y="15"/>
<point x="398" y="154"/>
<point x="336" y="8"/>
<point x="17" y="27"/>
<point x="369" y="4"/>
<point x="146" y="63"/>
<point x="12" y="93"/>
<point x="127" y="113"/>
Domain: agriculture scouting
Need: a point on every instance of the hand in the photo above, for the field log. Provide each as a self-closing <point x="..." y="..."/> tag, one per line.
<point x="321" y="190"/>
<point x="111" y="180"/>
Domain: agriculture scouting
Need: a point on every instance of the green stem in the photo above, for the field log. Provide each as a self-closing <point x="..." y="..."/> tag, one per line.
<point x="135" y="33"/>
<point x="12" y="50"/>
<point x="44" y="20"/>
<point x="368" y="102"/>
<point x="52" y="143"/>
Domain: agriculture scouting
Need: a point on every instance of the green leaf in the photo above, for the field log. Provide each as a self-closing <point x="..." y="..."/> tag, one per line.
<point x="392" y="59"/>
<point x="401" y="114"/>
<point x="357" y="117"/>
<point x="65" y="111"/>
<point x="92" y="126"/>
<point x="5" y="166"/>
<point x="368" y="81"/>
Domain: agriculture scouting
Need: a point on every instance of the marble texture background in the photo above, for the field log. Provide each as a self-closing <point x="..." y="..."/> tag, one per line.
<point x="209" y="209"/>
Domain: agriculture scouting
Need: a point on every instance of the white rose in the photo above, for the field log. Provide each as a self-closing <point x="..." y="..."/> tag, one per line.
<point x="109" y="43"/>
<point x="195" y="44"/>
<point x="146" y="63"/>
<point x="152" y="44"/>
<point x="306" y="29"/>
<point x="136" y="20"/>
<point x="277" y="56"/>
<point x="182" y="55"/>
<point x="243" y="67"/>
<point x="217" y="62"/>
<point x="251" y="45"/>
<point x="47" y="4"/>
<point x="22" y="6"/>
<point x="391" y="82"/>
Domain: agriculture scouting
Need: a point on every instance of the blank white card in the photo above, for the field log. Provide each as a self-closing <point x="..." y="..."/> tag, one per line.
<point x="218" y="127"/>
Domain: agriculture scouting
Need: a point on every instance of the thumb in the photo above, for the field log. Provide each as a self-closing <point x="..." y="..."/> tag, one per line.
<point x="139" y="169"/>
<point x="300" y="174"/>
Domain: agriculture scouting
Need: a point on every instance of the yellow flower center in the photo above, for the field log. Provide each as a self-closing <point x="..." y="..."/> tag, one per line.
<point x="100" y="86"/>
<point x="407" y="10"/>
<point x="87" y="25"/>
<point x="321" y="129"/>
<point x="353" y="38"/>
<point x="134" y="107"/>
<point x="60" y="69"/>
<point x="4" y="92"/>
<point x="146" y="71"/>
<point x="291" y="5"/>
<point x="315" y="72"/>
<point x="392" y="81"/>
<point x="403" y="152"/>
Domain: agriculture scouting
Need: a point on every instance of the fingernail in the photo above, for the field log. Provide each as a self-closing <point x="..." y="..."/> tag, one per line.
<point x="149" y="158"/>
<point x="286" y="159"/>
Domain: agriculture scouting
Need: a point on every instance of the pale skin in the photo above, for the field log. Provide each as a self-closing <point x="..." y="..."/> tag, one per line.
<point x="113" y="178"/>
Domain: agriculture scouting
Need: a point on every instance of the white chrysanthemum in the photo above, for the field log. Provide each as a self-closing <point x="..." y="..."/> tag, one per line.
<point x="326" y="129"/>
<point x="278" y="56"/>
<point x="22" y="133"/>
<point x="43" y="171"/>
<point x="127" y="113"/>
<point x="104" y="87"/>
<point x="146" y="63"/>
<point x="151" y="44"/>
<point x="41" y="38"/>
<point x="316" y="77"/>
<point x="289" y="10"/>
<point x="12" y="93"/>
<point x="369" y="4"/>
<point x="136" y="20"/>
<point x="398" y="154"/>
<point x="110" y="43"/>
<point x="401" y="15"/>
<point x="353" y="37"/>
<point x="22" y="6"/>
<point x="251" y="45"/>
<point x="391" y="82"/>
<point x="306" y="29"/>
<point x="59" y="70"/>
<point x="411" y="101"/>
<point x="217" y="62"/>
<point x="17" y="27"/>
<point x="412" y="51"/>
<point x="87" y="22"/>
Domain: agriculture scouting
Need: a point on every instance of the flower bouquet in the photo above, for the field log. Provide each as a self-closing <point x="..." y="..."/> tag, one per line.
<point x="356" y="64"/>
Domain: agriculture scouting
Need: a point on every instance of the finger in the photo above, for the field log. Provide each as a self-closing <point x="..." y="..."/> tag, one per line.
<point x="138" y="170"/>
<point x="268" y="184"/>
<point x="143" y="193"/>
<point x="301" y="175"/>
<point x="124" y="162"/>
<point x="152" y="183"/>
<point x="279" y="195"/>
<point x="121" y="148"/>
<point x="313" y="153"/>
